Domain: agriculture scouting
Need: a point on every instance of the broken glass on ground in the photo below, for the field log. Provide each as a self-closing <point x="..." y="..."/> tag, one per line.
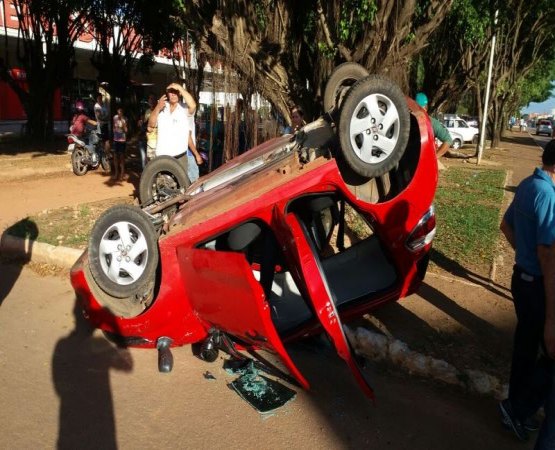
<point x="262" y="393"/>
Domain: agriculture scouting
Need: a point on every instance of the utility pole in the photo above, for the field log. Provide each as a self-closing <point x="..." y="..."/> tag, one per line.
<point x="488" y="87"/>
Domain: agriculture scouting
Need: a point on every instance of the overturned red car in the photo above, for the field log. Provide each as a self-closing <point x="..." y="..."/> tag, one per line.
<point x="292" y="238"/>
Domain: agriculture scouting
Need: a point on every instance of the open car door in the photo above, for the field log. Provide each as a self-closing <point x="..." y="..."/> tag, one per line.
<point x="322" y="298"/>
<point x="223" y="291"/>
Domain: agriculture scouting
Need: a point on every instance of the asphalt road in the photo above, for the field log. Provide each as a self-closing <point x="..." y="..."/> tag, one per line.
<point x="65" y="385"/>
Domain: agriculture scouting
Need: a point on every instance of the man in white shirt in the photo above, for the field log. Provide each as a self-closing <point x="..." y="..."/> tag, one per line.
<point x="172" y="117"/>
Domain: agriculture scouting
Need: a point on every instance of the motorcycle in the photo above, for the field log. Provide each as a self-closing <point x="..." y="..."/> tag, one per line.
<point x="85" y="157"/>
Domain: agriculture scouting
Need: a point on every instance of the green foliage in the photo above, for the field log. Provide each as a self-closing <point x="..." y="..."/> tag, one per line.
<point x="469" y="20"/>
<point x="538" y="85"/>
<point x="355" y="15"/>
<point x="326" y="50"/>
<point x="260" y="11"/>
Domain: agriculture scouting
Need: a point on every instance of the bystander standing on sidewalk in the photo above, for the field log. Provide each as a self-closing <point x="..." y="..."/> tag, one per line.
<point x="146" y="151"/>
<point x="529" y="226"/>
<point x="102" y="116"/>
<point x="171" y="118"/>
<point x="120" y="140"/>
<point x="440" y="132"/>
<point x="194" y="159"/>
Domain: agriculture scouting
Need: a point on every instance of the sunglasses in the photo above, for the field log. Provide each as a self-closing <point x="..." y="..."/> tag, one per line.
<point x="172" y="91"/>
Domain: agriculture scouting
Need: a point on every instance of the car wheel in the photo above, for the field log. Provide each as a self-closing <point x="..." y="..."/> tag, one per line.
<point x="342" y="78"/>
<point x="78" y="166"/>
<point x="374" y="125"/>
<point x="457" y="144"/>
<point x="123" y="253"/>
<point x="163" y="177"/>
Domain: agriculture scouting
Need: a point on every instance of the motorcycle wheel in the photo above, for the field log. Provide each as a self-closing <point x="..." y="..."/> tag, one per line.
<point x="163" y="177"/>
<point x="374" y="126"/>
<point x="79" y="167"/>
<point x="340" y="81"/>
<point x="105" y="163"/>
<point x="123" y="254"/>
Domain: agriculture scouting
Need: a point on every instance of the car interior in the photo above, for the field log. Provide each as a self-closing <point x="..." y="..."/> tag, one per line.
<point x="349" y="255"/>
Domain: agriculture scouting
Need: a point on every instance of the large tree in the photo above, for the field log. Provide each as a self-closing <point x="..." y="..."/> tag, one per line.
<point x="128" y="35"/>
<point x="525" y="42"/>
<point x="456" y="56"/>
<point x="286" y="49"/>
<point x="47" y="31"/>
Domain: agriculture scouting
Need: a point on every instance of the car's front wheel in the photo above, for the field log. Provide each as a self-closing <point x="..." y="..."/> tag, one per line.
<point x="374" y="126"/>
<point x="457" y="144"/>
<point x="123" y="253"/>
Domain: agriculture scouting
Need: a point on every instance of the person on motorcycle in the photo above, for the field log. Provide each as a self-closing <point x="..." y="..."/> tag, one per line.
<point x="79" y="124"/>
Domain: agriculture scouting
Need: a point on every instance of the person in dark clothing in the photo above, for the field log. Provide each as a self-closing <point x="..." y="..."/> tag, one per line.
<point x="529" y="226"/>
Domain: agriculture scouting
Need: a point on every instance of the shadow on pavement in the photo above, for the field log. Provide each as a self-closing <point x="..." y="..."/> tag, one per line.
<point x="409" y="413"/>
<point x="22" y="250"/>
<point x="81" y="367"/>
<point x="460" y="271"/>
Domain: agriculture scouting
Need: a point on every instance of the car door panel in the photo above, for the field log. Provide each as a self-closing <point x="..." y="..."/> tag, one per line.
<point x="321" y="298"/>
<point x="223" y="291"/>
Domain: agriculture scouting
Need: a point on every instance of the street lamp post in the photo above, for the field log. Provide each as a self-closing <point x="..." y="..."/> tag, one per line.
<point x="488" y="86"/>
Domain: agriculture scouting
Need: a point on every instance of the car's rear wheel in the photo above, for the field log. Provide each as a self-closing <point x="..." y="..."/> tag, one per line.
<point x="162" y="178"/>
<point x="78" y="165"/>
<point x="374" y="126"/>
<point x="342" y="78"/>
<point x="457" y="144"/>
<point x="123" y="253"/>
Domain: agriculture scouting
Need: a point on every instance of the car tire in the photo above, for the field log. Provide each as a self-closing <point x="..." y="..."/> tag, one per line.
<point x="457" y="144"/>
<point x="123" y="253"/>
<point x="162" y="175"/>
<point x="370" y="148"/>
<point x="77" y="165"/>
<point x="340" y="81"/>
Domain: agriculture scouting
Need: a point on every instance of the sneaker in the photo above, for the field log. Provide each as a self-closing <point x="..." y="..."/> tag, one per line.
<point x="514" y="423"/>
<point x="529" y="424"/>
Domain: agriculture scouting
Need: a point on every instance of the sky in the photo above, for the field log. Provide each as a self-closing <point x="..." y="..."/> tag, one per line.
<point x="544" y="107"/>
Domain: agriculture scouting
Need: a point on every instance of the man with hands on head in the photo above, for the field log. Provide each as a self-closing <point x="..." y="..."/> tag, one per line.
<point x="172" y="119"/>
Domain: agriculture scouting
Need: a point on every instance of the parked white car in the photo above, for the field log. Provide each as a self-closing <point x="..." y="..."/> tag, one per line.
<point x="459" y="129"/>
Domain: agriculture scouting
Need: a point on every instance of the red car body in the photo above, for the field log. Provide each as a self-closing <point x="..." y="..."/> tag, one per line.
<point x="201" y="288"/>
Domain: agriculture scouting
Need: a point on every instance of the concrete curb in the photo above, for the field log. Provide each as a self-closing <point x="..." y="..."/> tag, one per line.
<point x="374" y="346"/>
<point x="29" y="250"/>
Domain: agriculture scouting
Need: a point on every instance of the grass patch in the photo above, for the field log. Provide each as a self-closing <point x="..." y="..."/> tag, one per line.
<point x="69" y="226"/>
<point x="468" y="203"/>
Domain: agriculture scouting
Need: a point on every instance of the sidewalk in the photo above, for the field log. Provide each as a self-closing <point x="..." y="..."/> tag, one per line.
<point x="457" y="329"/>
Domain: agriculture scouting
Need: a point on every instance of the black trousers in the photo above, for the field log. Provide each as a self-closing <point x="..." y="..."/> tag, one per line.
<point x="530" y="369"/>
